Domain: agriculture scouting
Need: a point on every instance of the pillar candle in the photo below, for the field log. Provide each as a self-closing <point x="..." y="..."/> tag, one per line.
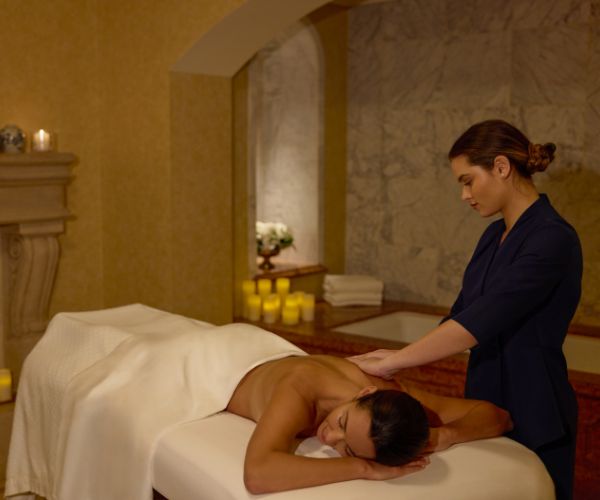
<point x="42" y="141"/>
<point x="264" y="287"/>
<point x="308" y="307"/>
<point x="299" y="297"/>
<point x="248" y="288"/>
<point x="254" y="302"/>
<point x="290" y="301"/>
<point x="5" y="385"/>
<point x="282" y="286"/>
<point x="270" y="309"/>
<point x="277" y="301"/>
<point x="290" y="315"/>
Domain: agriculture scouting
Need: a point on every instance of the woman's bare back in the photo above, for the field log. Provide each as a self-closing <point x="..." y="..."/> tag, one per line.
<point x="316" y="377"/>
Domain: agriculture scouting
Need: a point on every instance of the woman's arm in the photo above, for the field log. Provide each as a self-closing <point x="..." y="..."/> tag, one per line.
<point x="271" y="465"/>
<point x="462" y="419"/>
<point x="445" y="340"/>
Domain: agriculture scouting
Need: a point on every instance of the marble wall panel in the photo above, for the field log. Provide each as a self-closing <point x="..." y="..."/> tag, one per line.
<point x="464" y="16"/>
<point x="549" y="66"/>
<point x="286" y="137"/>
<point x="528" y="14"/>
<point x="475" y="71"/>
<point x="413" y="19"/>
<point x="592" y="109"/>
<point x="535" y="64"/>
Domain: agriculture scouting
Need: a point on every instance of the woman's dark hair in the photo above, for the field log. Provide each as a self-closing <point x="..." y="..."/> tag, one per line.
<point x="482" y="142"/>
<point x="399" y="426"/>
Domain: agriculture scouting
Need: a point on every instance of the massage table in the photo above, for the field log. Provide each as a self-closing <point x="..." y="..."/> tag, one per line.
<point x="204" y="460"/>
<point x="91" y="420"/>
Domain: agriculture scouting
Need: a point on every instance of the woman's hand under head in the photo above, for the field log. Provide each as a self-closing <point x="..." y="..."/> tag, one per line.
<point x="379" y="472"/>
<point x="373" y="363"/>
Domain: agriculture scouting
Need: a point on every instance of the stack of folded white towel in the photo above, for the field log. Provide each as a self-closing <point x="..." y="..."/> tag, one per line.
<point x="352" y="290"/>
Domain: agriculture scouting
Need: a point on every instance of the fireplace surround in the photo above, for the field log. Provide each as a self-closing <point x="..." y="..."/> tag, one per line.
<point x="33" y="212"/>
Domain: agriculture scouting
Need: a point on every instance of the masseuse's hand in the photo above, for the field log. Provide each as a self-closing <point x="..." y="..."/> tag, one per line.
<point x="378" y="471"/>
<point x="373" y="363"/>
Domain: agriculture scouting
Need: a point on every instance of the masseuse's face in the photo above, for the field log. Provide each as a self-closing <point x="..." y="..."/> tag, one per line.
<point x="482" y="189"/>
<point x="347" y="430"/>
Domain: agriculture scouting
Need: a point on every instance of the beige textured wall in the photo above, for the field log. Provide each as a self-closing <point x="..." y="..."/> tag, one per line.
<point x="201" y="225"/>
<point x="98" y="73"/>
<point x="49" y="79"/>
<point x="166" y="177"/>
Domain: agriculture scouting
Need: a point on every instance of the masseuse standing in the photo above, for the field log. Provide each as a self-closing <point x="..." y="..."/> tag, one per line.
<point x="519" y="293"/>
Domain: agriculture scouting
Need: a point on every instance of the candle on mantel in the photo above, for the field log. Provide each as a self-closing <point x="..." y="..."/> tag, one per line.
<point x="5" y="385"/>
<point x="248" y="288"/>
<point x="270" y="309"/>
<point x="264" y="287"/>
<point x="42" y="141"/>
<point x="253" y="304"/>
<point x="290" y="314"/>
<point x="308" y="307"/>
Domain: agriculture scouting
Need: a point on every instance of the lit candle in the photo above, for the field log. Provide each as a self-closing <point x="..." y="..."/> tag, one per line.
<point x="5" y="385"/>
<point x="308" y="307"/>
<point x="270" y="309"/>
<point x="299" y="298"/>
<point x="290" y="315"/>
<point x="253" y="304"/>
<point x="290" y="301"/>
<point x="248" y="288"/>
<point x="277" y="301"/>
<point x="264" y="287"/>
<point x="282" y="285"/>
<point x="41" y="141"/>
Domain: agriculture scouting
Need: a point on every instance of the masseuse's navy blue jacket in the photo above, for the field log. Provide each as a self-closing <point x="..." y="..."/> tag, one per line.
<point x="517" y="299"/>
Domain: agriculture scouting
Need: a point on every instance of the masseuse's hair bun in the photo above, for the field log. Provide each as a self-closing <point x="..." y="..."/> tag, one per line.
<point x="540" y="156"/>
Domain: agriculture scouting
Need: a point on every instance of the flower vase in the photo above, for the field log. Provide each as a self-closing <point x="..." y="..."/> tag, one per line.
<point x="266" y="254"/>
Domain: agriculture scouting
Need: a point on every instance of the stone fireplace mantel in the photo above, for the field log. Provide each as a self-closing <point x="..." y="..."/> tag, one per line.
<point x="32" y="214"/>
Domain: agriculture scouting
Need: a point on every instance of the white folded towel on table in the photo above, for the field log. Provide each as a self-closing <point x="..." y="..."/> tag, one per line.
<point x="352" y="290"/>
<point x="353" y="299"/>
<point x="334" y="283"/>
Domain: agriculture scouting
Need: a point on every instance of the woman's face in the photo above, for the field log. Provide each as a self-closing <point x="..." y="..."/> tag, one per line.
<point x="484" y="190"/>
<point x="347" y="429"/>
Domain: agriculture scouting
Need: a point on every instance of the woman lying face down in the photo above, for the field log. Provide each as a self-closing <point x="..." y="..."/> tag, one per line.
<point x="382" y="429"/>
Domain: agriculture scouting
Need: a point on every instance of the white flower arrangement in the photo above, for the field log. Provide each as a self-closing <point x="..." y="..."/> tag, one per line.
<point x="272" y="235"/>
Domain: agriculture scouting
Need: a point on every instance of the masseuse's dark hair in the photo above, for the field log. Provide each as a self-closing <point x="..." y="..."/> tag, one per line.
<point x="482" y="142"/>
<point x="399" y="426"/>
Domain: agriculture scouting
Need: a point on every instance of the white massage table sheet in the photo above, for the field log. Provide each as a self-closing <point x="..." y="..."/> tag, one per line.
<point x="204" y="460"/>
<point x="91" y="412"/>
<point x="101" y="387"/>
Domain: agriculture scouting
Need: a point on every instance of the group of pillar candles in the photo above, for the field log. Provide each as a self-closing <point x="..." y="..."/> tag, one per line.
<point x="262" y="302"/>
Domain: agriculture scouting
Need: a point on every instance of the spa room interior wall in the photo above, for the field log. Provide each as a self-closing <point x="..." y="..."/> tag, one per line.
<point x="323" y="34"/>
<point x="285" y="137"/>
<point x="153" y="189"/>
<point x="419" y="74"/>
<point x="152" y="205"/>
